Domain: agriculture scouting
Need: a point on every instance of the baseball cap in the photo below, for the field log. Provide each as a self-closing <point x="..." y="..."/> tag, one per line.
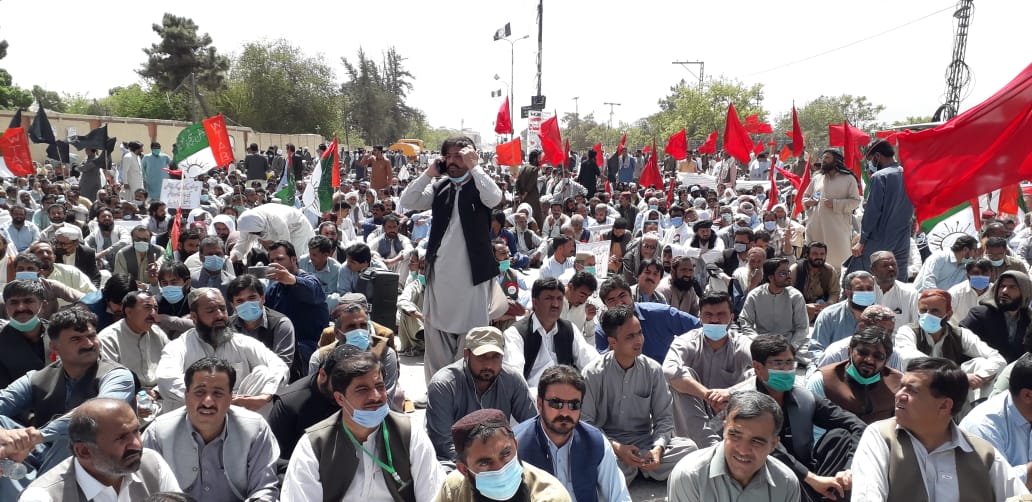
<point x="484" y="339"/>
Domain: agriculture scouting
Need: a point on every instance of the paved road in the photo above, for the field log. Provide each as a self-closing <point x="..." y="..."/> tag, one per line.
<point x="415" y="387"/>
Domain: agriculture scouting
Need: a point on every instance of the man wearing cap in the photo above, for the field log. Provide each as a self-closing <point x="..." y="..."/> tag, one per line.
<point x="831" y="198"/>
<point x="364" y="451"/>
<point x="705" y="242"/>
<point x="477" y="381"/>
<point x="888" y="211"/>
<point x="70" y="250"/>
<point x="488" y="465"/>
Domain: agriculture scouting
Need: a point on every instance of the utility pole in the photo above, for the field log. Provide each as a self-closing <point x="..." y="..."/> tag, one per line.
<point x="576" y="107"/>
<point x="611" y="105"/>
<point x="702" y="69"/>
<point x="512" y="78"/>
<point x="541" y="20"/>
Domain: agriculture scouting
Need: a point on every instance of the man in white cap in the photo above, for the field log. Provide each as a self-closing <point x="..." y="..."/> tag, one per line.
<point x="71" y="251"/>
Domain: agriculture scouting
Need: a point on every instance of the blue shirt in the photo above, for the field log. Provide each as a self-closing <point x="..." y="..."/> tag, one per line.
<point x="24" y="237"/>
<point x="611" y="482"/>
<point x="940" y="271"/>
<point x="16" y="398"/>
<point x="660" y="323"/>
<point x="327" y="276"/>
<point x="833" y="324"/>
<point x="154" y="173"/>
<point x="304" y="303"/>
<point x="347" y="280"/>
<point x="1000" y="423"/>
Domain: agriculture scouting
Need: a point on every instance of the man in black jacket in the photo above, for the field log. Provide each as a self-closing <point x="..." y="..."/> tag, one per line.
<point x="589" y="173"/>
<point x="70" y="250"/>
<point x="1003" y="322"/>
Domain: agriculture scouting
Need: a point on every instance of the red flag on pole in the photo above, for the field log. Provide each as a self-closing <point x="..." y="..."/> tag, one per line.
<point x="785" y="152"/>
<point x="803" y="185"/>
<point x="551" y="142"/>
<point x="773" y="196"/>
<point x="14" y="144"/>
<point x="650" y="175"/>
<point x="837" y="135"/>
<point x="509" y="153"/>
<point x="335" y="147"/>
<point x="503" y="124"/>
<point x="797" y="135"/>
<point x="677" y="145"/>
<point x="710" y="146"/>
<point x="647" y="149"/>
<point x="670" y="191"/>
<point x="976" y="152"/>
<point x="1009" y="197"/>
<point x="851" y="152"/>
<point x="599" y="159"/>
<point x="736" y="139"/>
<point x="623" y="141"/>
<point x="796" y="181"/>
<point x="566" y="156"/>
<point x="218" y="140"/>
<point x="609" y="187"/>
<point x="759" y="147"/>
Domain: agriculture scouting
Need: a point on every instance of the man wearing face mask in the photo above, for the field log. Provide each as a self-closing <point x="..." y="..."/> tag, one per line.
<point x="460" y="261"/>
<point x="213" y="271"/>
<point x="701" y="366"/>
<point x="261" y="372"/>
<point x="254" y="319"/>
<point x="886" y="223"/>
<point x="934" y="336"/>
<point x="28" y="268"/>
<point x="820" y="467"/>
<point x="513" y="284"/>
<point x="141" y="260"/>
<point x="679" y="232"/>
<point x="364" y="451"/>
<point x="840" y="319"/>
<point x="945" y="269"/>
<point x="996" y="251"/>
<point x="25" y="347"/>
<point x="489" y="467"/>
<point x="153" y="166"/>
<point x="969" y="294"/>
<point x="863" y="384"/>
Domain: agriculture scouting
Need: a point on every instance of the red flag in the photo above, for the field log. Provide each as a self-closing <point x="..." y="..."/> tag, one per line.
<point x="974" y="153"/>
<point x="609" y="187"/>
<point x="754" y="126"/>
<point x="851" y="152"/>
<point x="335" y="147"/>
<point x="710" y="146"/>
<point x="759" y="147"/>
<point x="14" y="144"/>
<point x="650" y="174"/>
<point x="736" y="139"/>
<point x="1009" y="197"/>
<point x="670" y="191"/>
<point x="173" y="238"/>
<point x="551" y="142"/>
<point x="797" y="135"/>
<point x="599" y="158"/>
<point x="891" y="136"/>
<point x="677" y="145"/>
<point x="792" y="178"/>
<point x="623" y="141"/>
<point x="803" y="185"/>
<point x="509" y="153"/>
<point x="647" y="149"/>
<point x="218" y="140"/>
<point x="566" y="155"/>
<point x="836" y="137"/>
<point x="785" y="152"/>
<point x="503" y="124"/>
<point x="773" y="196"/>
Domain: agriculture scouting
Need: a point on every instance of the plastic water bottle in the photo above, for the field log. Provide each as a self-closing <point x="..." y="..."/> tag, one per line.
<point x="12" y="470"/>
<point x="144" y="401"/>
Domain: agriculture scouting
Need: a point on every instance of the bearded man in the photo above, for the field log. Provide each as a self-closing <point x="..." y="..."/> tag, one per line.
<point x="831" y="199"/>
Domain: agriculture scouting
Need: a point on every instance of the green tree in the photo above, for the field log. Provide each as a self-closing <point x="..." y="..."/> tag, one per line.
<point x="815" y="116"/>
<point x="146" y="102"/>
<point x="912" y="120"/>
<point x="584" y="132"/>
<point x="49" y="100"/>
<point x="83" y="105"/>
<point x="702" y="110"/>
<point x="182" y="52"/>
<point x="12" y="96"/>
<point x="376" y="97"/>
<point x="275" y="87"/>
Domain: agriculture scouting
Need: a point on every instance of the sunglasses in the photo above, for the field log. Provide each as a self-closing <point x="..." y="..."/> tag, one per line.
<point x="557" y="404"/>
<point x="865" y="353"/>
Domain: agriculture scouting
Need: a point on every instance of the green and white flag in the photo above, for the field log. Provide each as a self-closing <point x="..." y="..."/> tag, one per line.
<point x="203" y="146"/>
<point x="944" y="229"/>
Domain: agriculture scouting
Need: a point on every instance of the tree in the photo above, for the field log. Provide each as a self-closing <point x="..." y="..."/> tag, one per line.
<point x="702" y="110"/>
<point x="182" y="52"/>
<point x="376" y="97"/>
<point x="49" y="100"/>
<point x="149" y="102"/>
<point x="275" y="87"/>
<point x="83" y="105"/>
<point x="12" y="96"/>
<point x="815" y="116"/>
<point x="584" y="132"/>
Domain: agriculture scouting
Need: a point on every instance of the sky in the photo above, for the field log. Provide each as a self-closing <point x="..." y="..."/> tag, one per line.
<point x="600" y="51"/>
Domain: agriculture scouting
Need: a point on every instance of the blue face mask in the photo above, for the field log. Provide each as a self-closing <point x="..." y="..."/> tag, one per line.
<point x="863" y="298"/>
<point x="590" y="269"/>
<point x="369" y="419"/>
<point x="422" y="279"/>
<point x="929" y="323"/>
<point x="26" y="276"/>
<point x="204" y="197"/>
<point x="996" y="263"/>
<point x="504" y="265"/>
<point x="214" y="263"/>
<point x="714" y="332"/>
<point x="501" y="484"/>
<point x="249" y="311"/>
<point x="781" y="380"/>
<point x="141" y="246"/>
<point x="653" y="207"/>
<point x="459" y="179"/>
<point x="979" y="281"/>
<point x="770" y="225"/>
<point x="676" y="221"/>
<point x="26" y="326"/>
<point x="357" y="338"/>
<point x="174" y="294"/>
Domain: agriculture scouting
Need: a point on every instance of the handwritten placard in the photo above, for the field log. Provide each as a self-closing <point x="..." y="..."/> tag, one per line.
<point x="181" y="193"/>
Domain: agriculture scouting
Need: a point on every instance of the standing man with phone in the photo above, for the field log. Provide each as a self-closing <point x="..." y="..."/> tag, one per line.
<point x="459" y="256"/>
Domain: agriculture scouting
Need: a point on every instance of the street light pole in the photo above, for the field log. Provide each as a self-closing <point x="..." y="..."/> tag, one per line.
<point x="512" y="78"/>
<point x="611" y="105"/>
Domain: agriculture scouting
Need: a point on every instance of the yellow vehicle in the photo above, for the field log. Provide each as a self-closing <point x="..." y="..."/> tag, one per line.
<point x="410" y="147"/>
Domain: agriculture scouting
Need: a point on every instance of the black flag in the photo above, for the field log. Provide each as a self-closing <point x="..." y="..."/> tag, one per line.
<point x="40" y="131"/>
<point x="15" y="120"/>
<point x="96" y="139"/>
<point x="58" y="151"/>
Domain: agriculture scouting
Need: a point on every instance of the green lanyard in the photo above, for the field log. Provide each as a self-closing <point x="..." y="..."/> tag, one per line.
<point x="389" y="466"/>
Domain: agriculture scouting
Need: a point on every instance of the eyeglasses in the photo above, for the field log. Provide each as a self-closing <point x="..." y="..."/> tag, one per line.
<point x="782" y="273"/>
<point x="648" y="246"/>
<point x="865" y="353"/>
<point x="782" y="364"/>
<point x="557" y="404"/>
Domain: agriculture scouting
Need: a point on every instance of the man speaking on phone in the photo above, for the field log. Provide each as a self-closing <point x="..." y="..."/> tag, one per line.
<point x="460" y="262"/>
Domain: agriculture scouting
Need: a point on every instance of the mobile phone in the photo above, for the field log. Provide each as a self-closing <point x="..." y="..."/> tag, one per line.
<point x="259" y="272"/>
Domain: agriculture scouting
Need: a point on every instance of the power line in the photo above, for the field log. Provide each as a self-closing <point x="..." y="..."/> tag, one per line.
<point x="829" y="51"/>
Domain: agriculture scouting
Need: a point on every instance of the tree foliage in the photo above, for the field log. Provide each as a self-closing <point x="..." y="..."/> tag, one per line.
<point x="275" y="87"/>
<point x="376" y="97"/>
<point x="703" y="109"/>
<point x="815" y="116"/>
<point x="49" y="100"/>
<point x="12" y="96"/>
<point x="181" y="52"/>
<point x="584" y="132"/>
